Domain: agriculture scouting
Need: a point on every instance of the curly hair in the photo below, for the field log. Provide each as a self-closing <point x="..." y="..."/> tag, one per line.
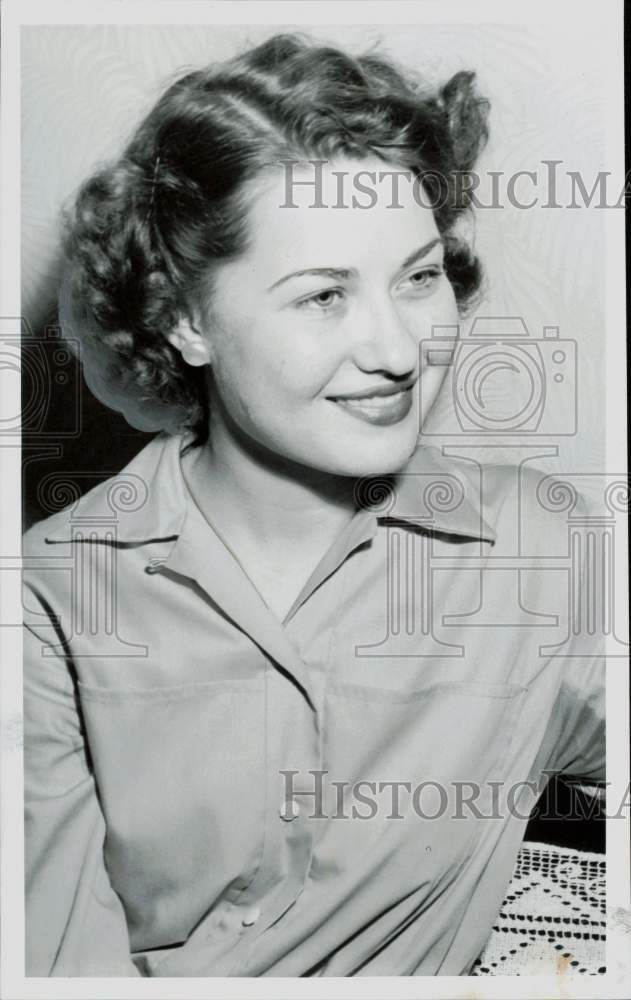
<point x="143" y="232"/>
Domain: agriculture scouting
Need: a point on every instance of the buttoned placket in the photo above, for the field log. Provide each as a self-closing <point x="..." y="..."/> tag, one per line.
<point x="294" y="737"/>
<point x="298" y="813"/>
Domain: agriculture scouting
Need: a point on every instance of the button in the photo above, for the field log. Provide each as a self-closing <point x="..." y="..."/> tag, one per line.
<point x="289" y="810"/>
<point x="153" y="566"/>
<point x="251" y="916"/>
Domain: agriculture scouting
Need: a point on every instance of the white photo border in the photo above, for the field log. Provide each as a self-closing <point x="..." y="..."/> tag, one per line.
<point x="14" y="984"/>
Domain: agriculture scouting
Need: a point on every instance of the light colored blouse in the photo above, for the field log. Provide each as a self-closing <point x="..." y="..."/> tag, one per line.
<point x="211" y="791"/>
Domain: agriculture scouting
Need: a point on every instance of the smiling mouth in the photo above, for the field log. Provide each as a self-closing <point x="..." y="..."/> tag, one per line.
<point x="381" y="410"/>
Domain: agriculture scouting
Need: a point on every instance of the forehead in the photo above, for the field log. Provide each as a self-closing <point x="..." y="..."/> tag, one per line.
<point x="345" y="212"/>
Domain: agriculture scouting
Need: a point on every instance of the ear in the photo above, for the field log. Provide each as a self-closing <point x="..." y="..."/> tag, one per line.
<point x="191" y="344"/>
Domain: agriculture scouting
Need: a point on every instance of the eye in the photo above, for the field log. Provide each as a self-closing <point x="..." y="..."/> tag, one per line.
<point x="424" y="279"/>
<point x="323" y="301"/>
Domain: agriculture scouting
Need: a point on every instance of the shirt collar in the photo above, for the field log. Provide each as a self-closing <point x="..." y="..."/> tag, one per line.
<point x="148" y="499"/>
<point x="433" y="492"/>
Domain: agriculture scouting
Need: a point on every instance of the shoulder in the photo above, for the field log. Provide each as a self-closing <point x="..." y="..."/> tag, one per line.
<point x="532" y="508"/>
<point x="133" y="502"/>
<point x="529" y="508"/>
<point x="71" y="556"/>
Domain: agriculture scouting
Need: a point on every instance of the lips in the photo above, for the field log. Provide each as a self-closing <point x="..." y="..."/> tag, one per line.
<point x="377" y="391"/>
<point x="384" y="406"/>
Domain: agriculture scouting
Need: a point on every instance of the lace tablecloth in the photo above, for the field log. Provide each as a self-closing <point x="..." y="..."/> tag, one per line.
<point x="553" y="917"/>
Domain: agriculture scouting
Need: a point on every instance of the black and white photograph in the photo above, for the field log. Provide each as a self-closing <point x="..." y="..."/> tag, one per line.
<point x="313" y="561"/>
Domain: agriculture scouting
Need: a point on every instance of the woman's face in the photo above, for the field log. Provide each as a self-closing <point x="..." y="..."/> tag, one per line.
<point x="318" y="332"/>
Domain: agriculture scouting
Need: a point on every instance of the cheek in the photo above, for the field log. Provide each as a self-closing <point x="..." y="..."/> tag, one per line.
<point x="437" y="312"/>
<point x="260" y="375"/>
<point x="298" y="362"/>
<point x="432" y="379"/>
<point x="445" y="308"/>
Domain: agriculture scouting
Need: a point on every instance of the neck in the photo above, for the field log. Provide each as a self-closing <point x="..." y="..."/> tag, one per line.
<point x="261" y="499"/>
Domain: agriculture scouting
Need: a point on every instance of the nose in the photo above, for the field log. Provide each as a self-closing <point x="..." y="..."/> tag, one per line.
<point x="384" y="343"/>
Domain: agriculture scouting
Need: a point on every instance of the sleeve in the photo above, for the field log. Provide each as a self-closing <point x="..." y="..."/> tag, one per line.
<point x="580" y="720"/>
<point x="576" y="740"/>
<point x="75" y="922"/>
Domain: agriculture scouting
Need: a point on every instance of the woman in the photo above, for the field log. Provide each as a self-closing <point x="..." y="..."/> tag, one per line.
<point x="255" y="744"/>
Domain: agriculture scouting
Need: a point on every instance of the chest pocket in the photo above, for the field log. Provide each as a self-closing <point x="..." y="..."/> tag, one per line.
<point x="445" y="743"/>
<point x="180" y="775"/>
<point x="445" y="730"/>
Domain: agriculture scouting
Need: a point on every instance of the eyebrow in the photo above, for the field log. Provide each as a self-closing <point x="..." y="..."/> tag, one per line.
<point x="343" y="273"/>
<point x="421" y="252"/>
